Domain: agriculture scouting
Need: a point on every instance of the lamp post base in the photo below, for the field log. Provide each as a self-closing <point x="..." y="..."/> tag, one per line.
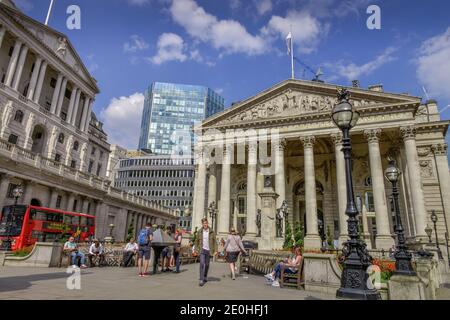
<point x="357" y="294"/>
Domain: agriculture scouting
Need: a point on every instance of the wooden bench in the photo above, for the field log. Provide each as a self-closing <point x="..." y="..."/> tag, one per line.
<point x="292" y="279"/>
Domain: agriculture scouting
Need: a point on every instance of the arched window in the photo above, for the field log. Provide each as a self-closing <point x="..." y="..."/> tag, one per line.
<point x="61" y="138"/>
<point x="18" y="116"/>
<point x="76" y="145"/>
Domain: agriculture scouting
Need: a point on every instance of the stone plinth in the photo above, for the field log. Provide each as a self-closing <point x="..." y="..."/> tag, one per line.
<point x="322" y="273"/>
<point x="43" y="255"/>
<point x="268" y="219"/>
<point x="406" y="288"/>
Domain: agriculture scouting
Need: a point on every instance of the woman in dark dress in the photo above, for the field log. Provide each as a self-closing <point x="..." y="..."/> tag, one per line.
<point x="233" y="246"/>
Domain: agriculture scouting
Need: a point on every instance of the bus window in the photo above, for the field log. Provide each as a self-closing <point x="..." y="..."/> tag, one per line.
<point x="83" y="221"/>
<point x="13" y="215"/>
<point x="76" y="220"/>
<point x="67" y="219"/>
<point x="90" y="222"/>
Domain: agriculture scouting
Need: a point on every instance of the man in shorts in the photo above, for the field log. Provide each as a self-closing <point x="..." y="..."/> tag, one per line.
<point x="145" y="238"/>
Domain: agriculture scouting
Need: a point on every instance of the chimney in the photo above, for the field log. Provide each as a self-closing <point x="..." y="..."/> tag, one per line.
<point x="355" y="83"/>
<point x="433" y="111"/>
<point x="377" y="88"/>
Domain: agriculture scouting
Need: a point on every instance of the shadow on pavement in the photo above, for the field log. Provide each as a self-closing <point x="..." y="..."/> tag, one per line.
<point x="24" y="282"/>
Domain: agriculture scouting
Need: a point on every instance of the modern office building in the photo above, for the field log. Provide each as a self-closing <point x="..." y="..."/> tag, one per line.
<point x="170" y="112"/>
<point x="166" y="180"/>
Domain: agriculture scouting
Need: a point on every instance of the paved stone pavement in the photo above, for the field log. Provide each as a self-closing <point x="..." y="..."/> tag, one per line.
<point x="120" y="283"/>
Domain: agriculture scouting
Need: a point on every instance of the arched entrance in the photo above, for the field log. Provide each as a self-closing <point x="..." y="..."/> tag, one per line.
<point x="36" y="203"/>
<point x="38" y="137"/>
<point x="300" y="207"/>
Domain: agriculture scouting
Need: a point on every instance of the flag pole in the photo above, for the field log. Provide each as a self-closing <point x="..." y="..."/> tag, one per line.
<point x="292" y="54"/>
<point x="49" y="12"/>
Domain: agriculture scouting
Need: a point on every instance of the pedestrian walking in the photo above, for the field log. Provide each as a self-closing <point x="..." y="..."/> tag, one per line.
<point x="144" y="240"/>
<point x="233" y="247"/>
<point x="177" y="250"/>
<point x="206" y="247"/>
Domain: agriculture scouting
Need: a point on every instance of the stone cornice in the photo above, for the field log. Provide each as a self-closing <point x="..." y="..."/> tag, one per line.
<point x="47" y="53"/>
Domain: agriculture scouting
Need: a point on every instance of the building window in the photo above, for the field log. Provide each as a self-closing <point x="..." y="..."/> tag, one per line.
<point x="75" y="203"/>
<point x="57" y="157"/>
<point x="61" y="138"/>
<point x="76" y="145"/>
<point x="73" y="164"/>
<point x="58" y="202"/>
<point x="13" y="139"/>
<point x="99" y="168"/>
<point x="53" y="82"/>
<point x="11" y="188"/>
<point x="93" y="151"/>
<point x="91" y="164"/>
<point x="18" y="116"/>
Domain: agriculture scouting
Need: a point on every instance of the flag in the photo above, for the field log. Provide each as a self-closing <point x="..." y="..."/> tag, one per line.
<point x="289" y="43"/>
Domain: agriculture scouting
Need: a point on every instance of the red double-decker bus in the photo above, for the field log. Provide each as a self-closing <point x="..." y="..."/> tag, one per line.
<point x="27" y="225"/>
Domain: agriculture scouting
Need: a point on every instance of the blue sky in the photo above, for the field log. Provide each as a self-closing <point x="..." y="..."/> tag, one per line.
<point x="237" y="47"/>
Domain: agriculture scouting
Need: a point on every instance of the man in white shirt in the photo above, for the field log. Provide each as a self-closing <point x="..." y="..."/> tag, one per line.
<point x="129" y="252"/>
<point x="206" y="247"/>
<point x="96" y="250"/>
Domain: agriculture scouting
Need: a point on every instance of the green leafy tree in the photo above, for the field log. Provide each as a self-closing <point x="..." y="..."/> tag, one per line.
<point x="298" y="234"/>
<point x="288" y="239"/>
<point x="130" y="231"/>
<point x="329" y="237"/>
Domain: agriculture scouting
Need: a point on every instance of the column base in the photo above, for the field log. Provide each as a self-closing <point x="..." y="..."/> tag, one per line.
<point x="384" y="242"/>
<point x="367" y="240"/>
<point x="406" y="288"/>
<point x="313" y="241"/>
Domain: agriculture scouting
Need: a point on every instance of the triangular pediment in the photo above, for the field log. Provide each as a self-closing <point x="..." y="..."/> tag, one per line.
<point x="293" y="98"/>
<point x="55" y="41"/>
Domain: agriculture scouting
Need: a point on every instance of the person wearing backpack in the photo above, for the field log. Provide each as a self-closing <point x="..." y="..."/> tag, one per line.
<point x="144" y="240"/>
<point x="233" y="246"/>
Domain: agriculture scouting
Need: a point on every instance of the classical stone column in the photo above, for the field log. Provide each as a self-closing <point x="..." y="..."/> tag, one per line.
<point x="20" y="66"/>
<point x="28" y="194"/>
<point x="200" y="190"/>
<point x="280" y="177"/>
<point x="85" y="205"/>
<point x="251" y="189"/>
<point x="55" y="98"/>
<point x="13" y="63"/>
<point x="224" y="210"/>
<point x="312" y="238"/>
<point x="4" y="184"/>
<point x="34" y="78"/>
<point x="2" y="35"/>
<point x="212" y="185"/>
<point x="54" y="192"/>
<point x="70" y="202"/>
<point x="341" y="188"/>
<point x="73" y="97"/>
<point x="100" y="220"/>
<point x="87" y="101"/>
<point x="88" y="117"/>
<point x="384" y="239"/>
<point x="40" y="82"/>
<point x="440" y="154"/>
<point x="415" y="180"/>
<point x="75" y="108"/>
<point x="62" y="94"/>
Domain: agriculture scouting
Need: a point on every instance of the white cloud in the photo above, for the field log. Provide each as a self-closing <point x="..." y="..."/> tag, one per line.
<point x="433" y="65"/>
<point x="122" y="120"/>
<point x="306" y="29"/>
<point x="352" y="71"/>
<point x="170" y="48"/>
<point x="137" y="43"/>
<point x="263" y="6"/>
<point x="235" y="4"/>
<point x="226" y="35"/>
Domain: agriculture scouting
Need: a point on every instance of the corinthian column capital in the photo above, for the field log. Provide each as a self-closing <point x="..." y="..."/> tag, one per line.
<point x="337" y="138"/>
<point x="308" y="141"/>
<point x="372" y="135"/>
<point x="408" y="132"/>
<point x="440" y="149"/>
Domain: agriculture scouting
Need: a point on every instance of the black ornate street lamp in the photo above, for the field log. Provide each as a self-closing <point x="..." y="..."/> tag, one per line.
<point x="7" y="244"/>
<point x="354" y="276"/>
<point x="213" y="214"/>
<point x="434" y="219"/>
<point x="403" y="263"/>
<point x="429" y="232"/>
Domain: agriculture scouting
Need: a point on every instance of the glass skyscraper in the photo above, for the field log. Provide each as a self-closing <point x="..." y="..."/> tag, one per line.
<point x="171" y="110"/>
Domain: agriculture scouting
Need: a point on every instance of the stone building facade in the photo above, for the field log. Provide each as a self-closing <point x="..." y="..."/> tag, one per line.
<point x="303" y="159"/>
<point x="50" y="140"/>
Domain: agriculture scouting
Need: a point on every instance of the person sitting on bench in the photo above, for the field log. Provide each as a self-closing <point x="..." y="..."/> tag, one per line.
<point x="71" y="247"/>
<point x="96" y="250"/>
<point x="289" y="264"/>
<point x="129" y="252"/>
